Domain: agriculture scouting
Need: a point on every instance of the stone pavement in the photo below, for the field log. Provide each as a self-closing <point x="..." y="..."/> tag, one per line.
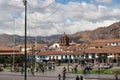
<point x="40" y="76"/>
<point x="53" y="75"/>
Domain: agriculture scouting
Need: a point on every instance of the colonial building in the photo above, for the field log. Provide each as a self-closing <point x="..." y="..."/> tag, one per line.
<point x="103" y="51"/>
<point x="8" y="54"/>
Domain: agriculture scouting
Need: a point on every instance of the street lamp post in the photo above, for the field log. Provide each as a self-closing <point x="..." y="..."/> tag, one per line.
<point x="68" y="62"/>
<point x="83" y="57"/>
<point x="99" y="57"/>
<point x="25" y="55"/>
<point x="14" y="50"/>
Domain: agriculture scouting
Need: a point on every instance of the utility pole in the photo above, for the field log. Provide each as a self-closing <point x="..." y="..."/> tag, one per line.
<point x="33" y="59"/>
<point x="25" y="54"/>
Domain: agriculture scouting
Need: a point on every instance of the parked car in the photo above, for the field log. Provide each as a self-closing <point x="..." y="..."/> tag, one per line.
<point x="1" y="69"/>
<point x="107" y="66"/>
<point x="97" y="66"/>
<point x="104" y="66"/>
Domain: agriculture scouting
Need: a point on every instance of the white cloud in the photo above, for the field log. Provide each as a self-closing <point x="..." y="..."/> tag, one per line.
<point x="54" y="18"/>
<point x="104" y="1"/>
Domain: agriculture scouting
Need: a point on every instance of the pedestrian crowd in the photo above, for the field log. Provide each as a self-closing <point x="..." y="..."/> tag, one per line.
<point x="63" y="76"/>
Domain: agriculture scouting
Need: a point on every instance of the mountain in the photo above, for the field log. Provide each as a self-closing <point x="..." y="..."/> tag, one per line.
<point x="109" y="32"/>
<point x="11" y="40"/>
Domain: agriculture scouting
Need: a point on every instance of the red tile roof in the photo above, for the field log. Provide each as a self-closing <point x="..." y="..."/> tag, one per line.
<point x="36" y="46"/>
<point x="96" y="44"/>
<point x="49" y="53"/>
<point x="106" y="41"/>
<point x="7" y="50"/>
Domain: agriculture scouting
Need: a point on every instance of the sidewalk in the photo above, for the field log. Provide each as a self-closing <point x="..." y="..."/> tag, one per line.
<point x="52" y="74"/>
<point x="59" y="71"/>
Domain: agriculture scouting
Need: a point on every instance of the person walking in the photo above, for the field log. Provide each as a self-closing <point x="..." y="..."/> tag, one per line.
<point x="43" y="69"/>
<point x="64" y="69"/>
<point x="32" y="71"/>
<point x="77" y="78"/>
<point x="81" y="77"/>
<point x="53" y="66"/>
<point x="116" y="76"/>
<point x="64" y="74"/>
<point x="75" y="69"/>
<point x="59" y="77"/>
<point x="22" y="70"/>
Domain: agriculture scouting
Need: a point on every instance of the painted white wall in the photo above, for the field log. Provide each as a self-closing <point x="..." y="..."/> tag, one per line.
<point x="56" y="45"/>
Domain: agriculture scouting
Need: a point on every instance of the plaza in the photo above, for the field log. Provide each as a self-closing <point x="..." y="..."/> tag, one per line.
<point x="52" y="75"/>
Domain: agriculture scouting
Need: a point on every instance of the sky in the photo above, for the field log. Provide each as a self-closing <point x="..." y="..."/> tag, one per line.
<point x="51" y="17"/>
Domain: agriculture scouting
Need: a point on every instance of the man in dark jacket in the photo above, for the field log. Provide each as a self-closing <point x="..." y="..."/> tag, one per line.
<point x="77" y="78"/>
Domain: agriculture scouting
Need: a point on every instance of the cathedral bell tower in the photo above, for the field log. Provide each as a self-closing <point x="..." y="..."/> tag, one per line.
<point x="64" y="40"/>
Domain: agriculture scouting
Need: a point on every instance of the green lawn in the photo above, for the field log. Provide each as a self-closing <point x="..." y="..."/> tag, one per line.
<point x="103" y="71"/>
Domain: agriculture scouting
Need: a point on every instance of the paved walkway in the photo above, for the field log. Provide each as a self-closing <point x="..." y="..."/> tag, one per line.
<point x="54" y="76"/>
<point x="58" y="70"/>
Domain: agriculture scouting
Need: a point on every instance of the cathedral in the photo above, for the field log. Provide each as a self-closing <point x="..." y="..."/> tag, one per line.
<point x="64" y="40"/>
